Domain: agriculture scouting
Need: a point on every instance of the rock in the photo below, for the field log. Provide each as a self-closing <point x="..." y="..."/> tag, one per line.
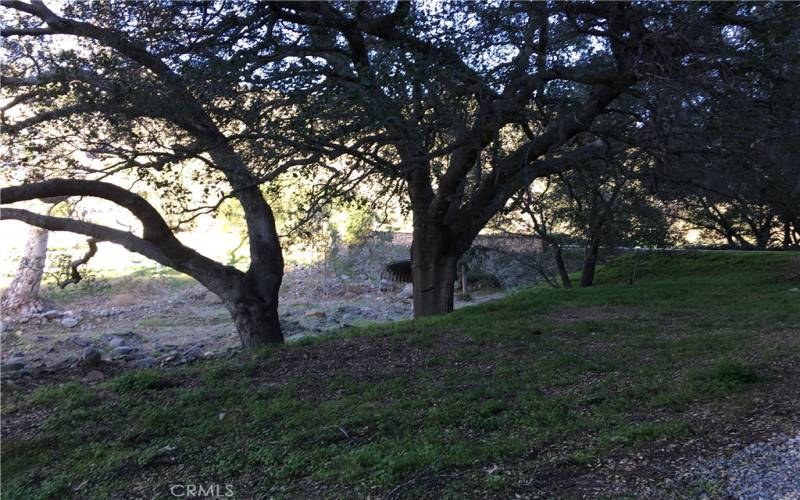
<point x="13" y="365"/>
<point x="95" y="375"/>
<point x="146" y="362"/>
<point x="52" y="314"/>
<point x="91" y="357"/>
<point x="69" y="322"/>
<point x="81" y="341"/>
<point x="116" y="342"/>
<point x="349" y="318"/>
<point x="3" y="327"/>
<point x="794" y="289"/>
<point x="315" y="314"/>
<point x="407" y="291"/>
<point x="192" y="353"/>
<point x="122" y="351"/>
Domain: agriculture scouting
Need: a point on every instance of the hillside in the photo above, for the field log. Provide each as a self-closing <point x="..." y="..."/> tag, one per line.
<point x="627" y="388"/>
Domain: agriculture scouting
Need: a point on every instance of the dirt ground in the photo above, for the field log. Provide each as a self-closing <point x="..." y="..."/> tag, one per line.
<point x="156" y="321"/>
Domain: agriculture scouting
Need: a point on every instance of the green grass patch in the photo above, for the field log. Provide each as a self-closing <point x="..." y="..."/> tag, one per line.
<point x="493" y="384"/>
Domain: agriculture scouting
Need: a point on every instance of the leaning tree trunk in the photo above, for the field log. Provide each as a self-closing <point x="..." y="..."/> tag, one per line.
<point x="434" y="261"/>
<point x="590" y="262"/>
<point x="251" y="299"/>
<point x="22" y="296"/>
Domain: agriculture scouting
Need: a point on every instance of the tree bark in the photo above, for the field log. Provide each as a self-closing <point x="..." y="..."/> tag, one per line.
<point x="434" y="270"/>
<point x="763" y="235"/>
<point x="22" y="296"/>
<point x="590" y="263"/>
<point x="562" y="268"/>
<point x="255" y="316"/>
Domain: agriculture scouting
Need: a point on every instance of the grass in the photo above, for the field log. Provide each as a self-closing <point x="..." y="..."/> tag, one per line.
<point x="582" y="373"/>
<point x="113" y="282"/>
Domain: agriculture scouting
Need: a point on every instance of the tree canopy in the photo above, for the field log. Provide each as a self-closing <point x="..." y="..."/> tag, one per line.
<point x="453" y="106"/>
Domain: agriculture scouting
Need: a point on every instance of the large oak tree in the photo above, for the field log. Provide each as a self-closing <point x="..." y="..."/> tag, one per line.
<point x="465" y="103"/>
<point x="455" y="105"/>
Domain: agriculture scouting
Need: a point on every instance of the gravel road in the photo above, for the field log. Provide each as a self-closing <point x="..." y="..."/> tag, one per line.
<point x="769" y="470"/>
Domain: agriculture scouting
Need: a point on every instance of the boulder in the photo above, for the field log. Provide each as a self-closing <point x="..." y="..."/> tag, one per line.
<point x="69" y="322"/>
<point x="52" y="314"/>
<point x="192" y="353"/>
<point x="116" y="342"/>
<point x="91" y="357"/>
<point x="13" y="364"/>
<point x="315" y="314"/>
<point x="146" y="362"/>
<point x="122" y="351"/>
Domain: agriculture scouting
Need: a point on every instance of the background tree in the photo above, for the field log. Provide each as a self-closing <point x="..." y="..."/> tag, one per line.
<point x="143" y="92"/>
<point x="467" y="103"/>
<point x="725" y="138"/>
<point x="22" y="295"/>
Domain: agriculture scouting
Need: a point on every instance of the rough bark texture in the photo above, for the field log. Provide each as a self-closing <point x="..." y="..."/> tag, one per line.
<point x="590" y="263"/>
<point x="22" y="296"/>
<point x="255" y="316"/>
<point x="434" y="262"/>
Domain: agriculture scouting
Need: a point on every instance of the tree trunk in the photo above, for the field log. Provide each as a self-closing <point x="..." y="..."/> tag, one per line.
<point x="464" y="282"/>
<point x="562" y="268"/>
<point x="22" y="296"/>
<point x="434" y="270"/>
<point x="762" y="241"/>
<point x="255" y="314"/>
<point x="256" y="322"/>
<point x="590" y="263"/>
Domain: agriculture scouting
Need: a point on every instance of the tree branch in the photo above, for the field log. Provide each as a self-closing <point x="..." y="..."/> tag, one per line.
<point x="123" y="238"/>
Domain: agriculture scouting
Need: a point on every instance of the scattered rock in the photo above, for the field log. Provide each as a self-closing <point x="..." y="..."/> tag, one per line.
<point x="315" y="314"/>
<point x="2" y="327"/>
<point x="69" y="322"/>
<point x="794" y="289"/>
<point x="95" y="375"/>
<point x="121" y="351"/>
<point x="407" y="291"/>
<point x="116" y="342"/>
<point x="52" y="314"/>
<point x="146" y="362"/>
<point x="91" y="357"/>
<point x="766" y="469"/>
<point x="13" y="364"/>
<point x="192" y="354"/>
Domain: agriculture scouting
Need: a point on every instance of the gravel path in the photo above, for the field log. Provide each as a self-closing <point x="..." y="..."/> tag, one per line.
<point x="768" y="470"/>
